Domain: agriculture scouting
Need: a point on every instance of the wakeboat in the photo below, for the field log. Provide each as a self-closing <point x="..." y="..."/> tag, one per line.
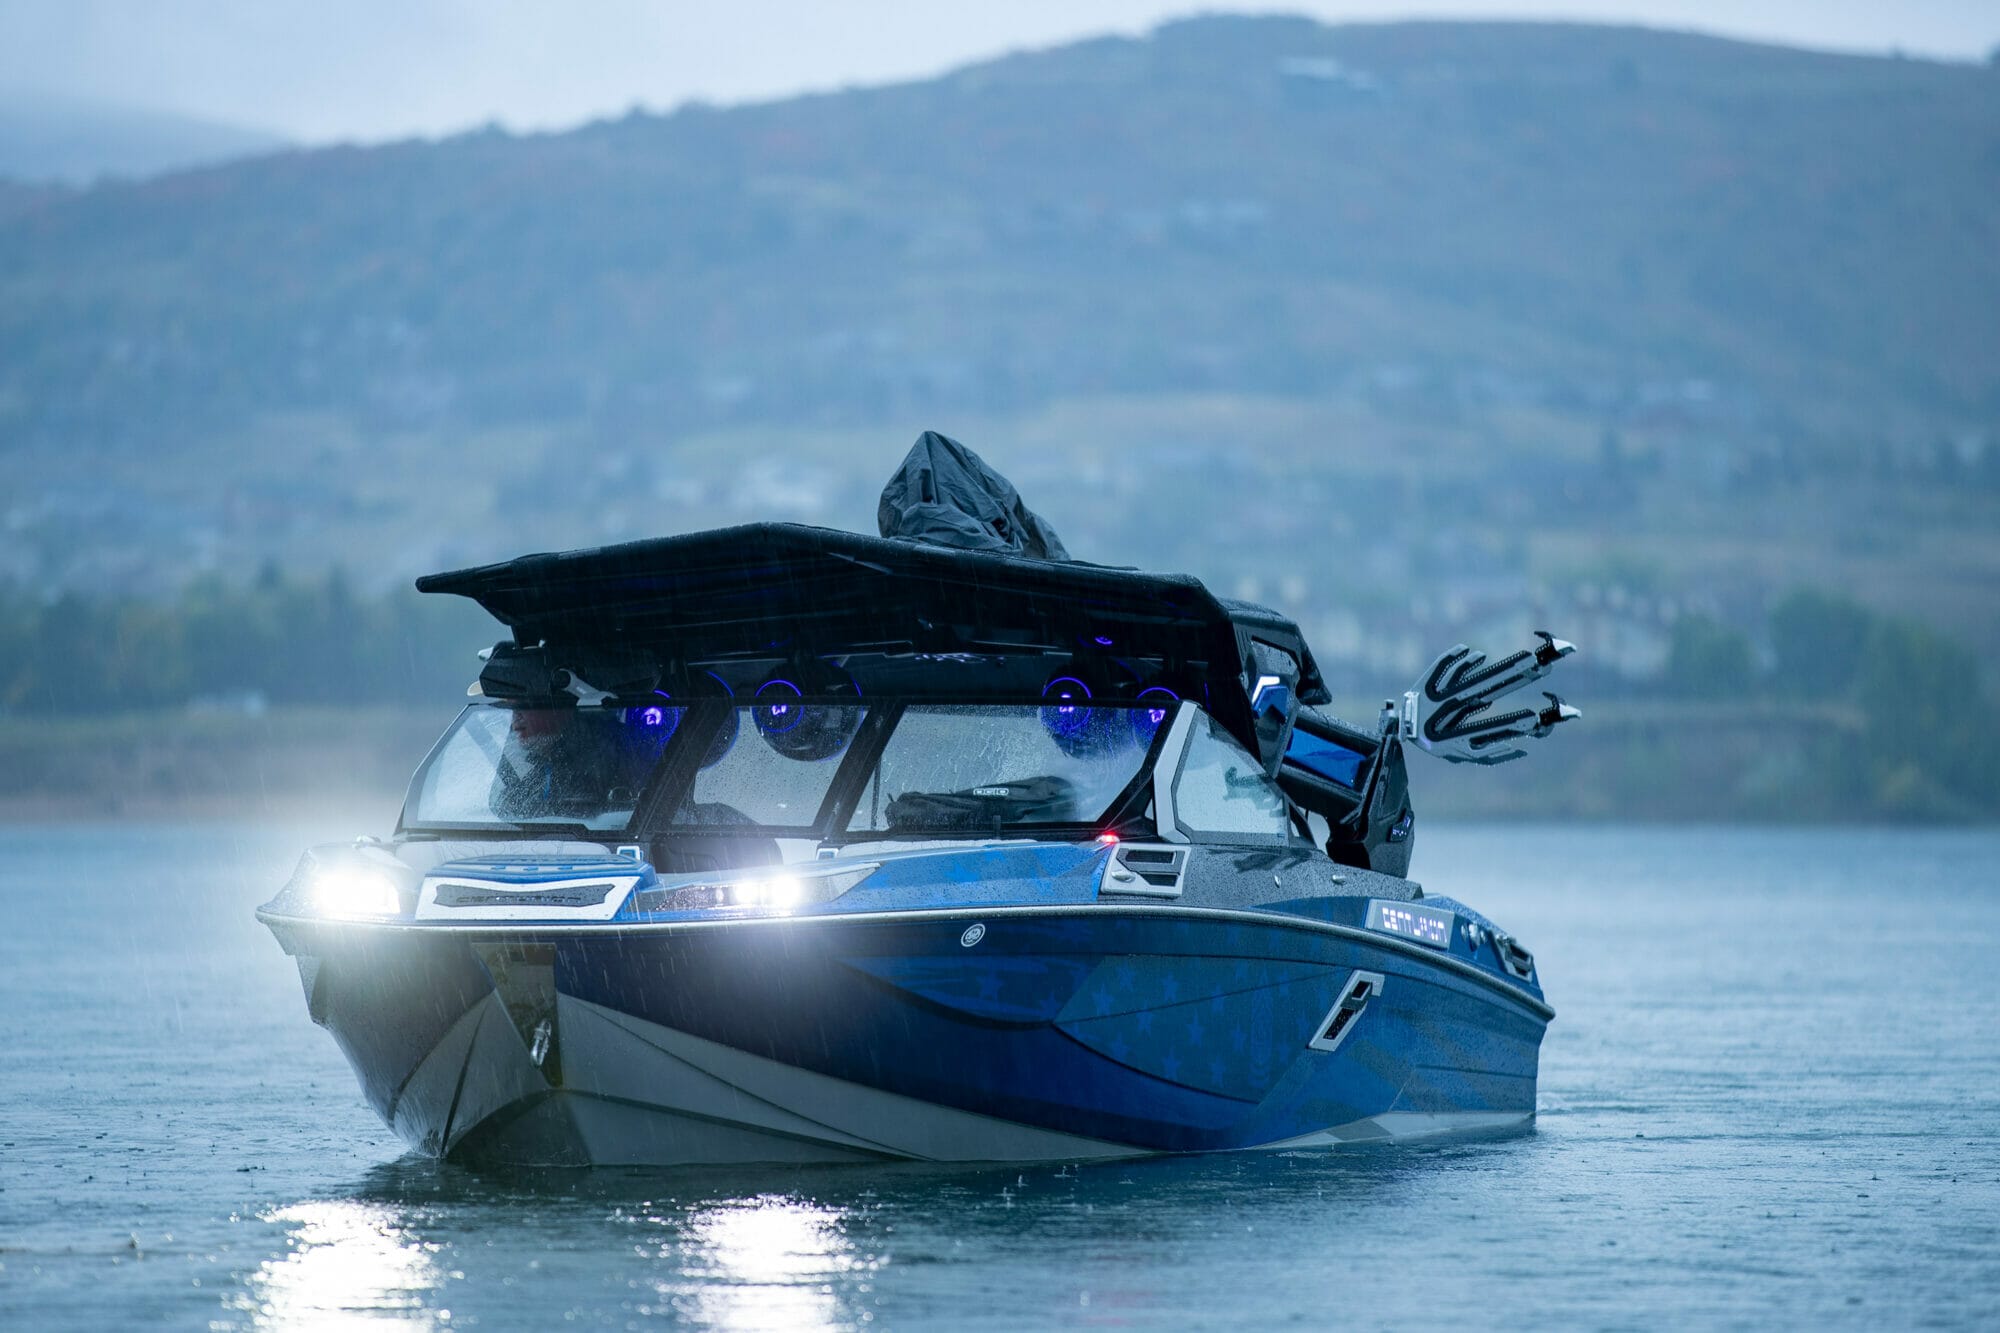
<point x="783" y="844"/>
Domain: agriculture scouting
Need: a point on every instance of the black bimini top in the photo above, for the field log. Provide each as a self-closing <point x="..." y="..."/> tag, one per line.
<point x="772" y="589"/>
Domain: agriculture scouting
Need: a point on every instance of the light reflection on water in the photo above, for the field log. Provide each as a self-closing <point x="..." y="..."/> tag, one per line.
<point x="762" y="1263"/>
<point x="349" y="1263"/>
<point x="756" y="1248"/>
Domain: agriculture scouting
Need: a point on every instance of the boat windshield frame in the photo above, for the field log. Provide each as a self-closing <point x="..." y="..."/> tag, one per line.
<point x="671" y="782"/>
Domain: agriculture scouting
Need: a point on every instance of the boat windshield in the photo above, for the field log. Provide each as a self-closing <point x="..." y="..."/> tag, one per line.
<point x="973" y="767"/>
<point x="521" y="767"/>
<point x="774" y="766"/>
<point x="770" y="766"/>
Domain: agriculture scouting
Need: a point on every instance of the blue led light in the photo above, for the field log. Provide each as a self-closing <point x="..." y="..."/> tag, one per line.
<point x="782" y="711"/>
<point x="803" y="729"/>
<point x="647" y="729"/>
<point x="654" y="722"/>
<point x="1065" y="716"/>
<point x="1155" y="703"/>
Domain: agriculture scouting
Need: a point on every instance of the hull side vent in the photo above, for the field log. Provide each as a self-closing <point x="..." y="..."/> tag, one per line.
<point x="1340" y="1020"/>
<point x="1144" y="872"/>
<point x="1518" y="961"/>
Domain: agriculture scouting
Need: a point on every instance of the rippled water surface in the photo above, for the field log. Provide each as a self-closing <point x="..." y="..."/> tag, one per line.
<point x="1771" y="1096"/>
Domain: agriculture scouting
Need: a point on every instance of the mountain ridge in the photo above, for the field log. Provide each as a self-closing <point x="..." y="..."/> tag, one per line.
<point x="1197" y="159"/>
<point x="58" y="141"/>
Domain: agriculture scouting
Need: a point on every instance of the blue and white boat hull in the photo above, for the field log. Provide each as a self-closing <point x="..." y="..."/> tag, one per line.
<point x="1002" y="1033"/>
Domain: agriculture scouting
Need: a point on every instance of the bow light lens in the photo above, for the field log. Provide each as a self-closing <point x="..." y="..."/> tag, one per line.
<point x="354" y="891"/>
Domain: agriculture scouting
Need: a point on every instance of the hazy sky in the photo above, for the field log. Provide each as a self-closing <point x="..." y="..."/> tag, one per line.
<point x="369" y="69"/>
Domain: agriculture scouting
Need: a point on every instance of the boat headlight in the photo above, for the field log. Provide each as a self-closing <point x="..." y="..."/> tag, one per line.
<point x="353" y="891"/>
<point x="793" y="888"/>
<point x="774" y="889"/>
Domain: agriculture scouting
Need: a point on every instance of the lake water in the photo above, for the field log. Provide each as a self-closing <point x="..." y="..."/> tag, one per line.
<point x="1771" y="1096"/>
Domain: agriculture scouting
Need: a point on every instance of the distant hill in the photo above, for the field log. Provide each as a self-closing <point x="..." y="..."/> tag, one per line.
<point x="66" y="141"/>
<point x="1403" y="325"/>
<point x="1238" y="204"/>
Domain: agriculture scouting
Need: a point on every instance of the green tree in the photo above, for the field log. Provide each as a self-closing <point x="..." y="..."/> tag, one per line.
<point x="1707" y="659"/>
<point x="1818" y="639"/>
<point x="1931" y="725"/>
<point x="17" y="629"/>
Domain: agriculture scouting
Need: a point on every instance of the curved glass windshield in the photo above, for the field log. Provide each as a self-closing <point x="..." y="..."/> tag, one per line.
<point x="521" y="767"/>
<point x="774" y="764"/>
<point x="771" y="765"/>
<point x="964" y="768"/>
